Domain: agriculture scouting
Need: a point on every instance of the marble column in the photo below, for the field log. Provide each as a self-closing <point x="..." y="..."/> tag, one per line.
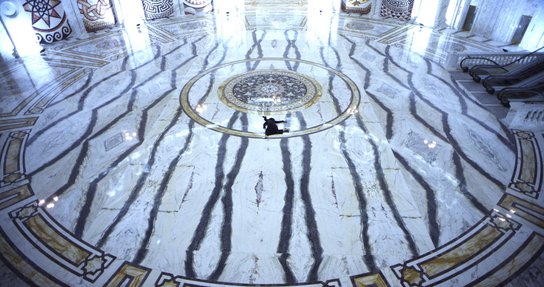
<point x="399" y="9"/>
<point x="197" y="6"/>
<point x="443" y="6"/>
<point x="354" y="6"/>
<point x="96" y="14"/>
<point x="155" y="9"/>
<point x="49" y="21"/>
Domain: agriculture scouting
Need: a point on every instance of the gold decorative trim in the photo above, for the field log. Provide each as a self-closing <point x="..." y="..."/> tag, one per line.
<point x="520" y="258"/>
<point x="12" y="158"/>
<point x="369" y="280"/>
<point x="527" y="177"/>
<point x="451" y="258"/>
<point x="524" y="209"/>
<point x="12" y="257"/>
<point x="9" y="124"/>
<point x="458" y="255"/>
<point x="129" y="275"/>
<point x="15" y="195"/>
<point x="51" y="240"/>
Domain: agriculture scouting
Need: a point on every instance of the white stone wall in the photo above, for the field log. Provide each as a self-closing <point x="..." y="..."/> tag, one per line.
<point x="498" y="19"/>
<point x="534" y="36"/>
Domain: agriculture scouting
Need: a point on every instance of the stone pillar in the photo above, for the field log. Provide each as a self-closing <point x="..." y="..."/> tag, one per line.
<point x="443" y="6"/>
<point x="399" y="9"/>
<point x="96" y="14"/>
<point x="354" y="6"/>
<point x="155" y="9"/>
<point x="197" y="6"/>
<point x="49" y="21"/>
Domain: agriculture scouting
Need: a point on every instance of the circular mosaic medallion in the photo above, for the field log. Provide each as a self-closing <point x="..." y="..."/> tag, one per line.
<point x="269" y="91"/>
<point x="236" y="104"/>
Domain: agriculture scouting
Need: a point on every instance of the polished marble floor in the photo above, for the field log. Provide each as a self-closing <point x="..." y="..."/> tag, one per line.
<point x="137" y="157"/>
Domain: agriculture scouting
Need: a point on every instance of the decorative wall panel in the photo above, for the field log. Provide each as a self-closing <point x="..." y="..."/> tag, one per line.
<point x="155" y="9"/>
<point x="48" y="20"/>
<point x="97" y="14"/>
<point x="357" y="6"/>
<point x="399" y="9"/>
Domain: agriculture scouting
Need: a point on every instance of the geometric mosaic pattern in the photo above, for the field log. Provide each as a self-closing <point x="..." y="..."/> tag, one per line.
<point x="269" y="91"/>
<point x="97" y="14"/>
<point x="401" y="10"/>
<point x="155" y="9"/>
<point x="48" y="20"/>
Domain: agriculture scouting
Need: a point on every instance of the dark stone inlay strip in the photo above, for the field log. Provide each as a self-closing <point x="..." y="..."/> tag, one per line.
<point x="84" y="138"/>
<point x="200" y="233"/>
<point x="163" y="187"/>
<point x="313" y="232"/>
<point x="386" y="191"/>
<point x="291" y="44"/>
<point x="141" y="132"/>
<point x="377" y="165"/>
<point x="451" y="140"/>
<point x="390" y="116"/>
<point x="257" y="45"/>
<point x="434" y="227"/>
<point x="287" y="218"/>
<point x="369" y="259"/>
<point x="226" y="228"/>
<point x="508" y="142"/>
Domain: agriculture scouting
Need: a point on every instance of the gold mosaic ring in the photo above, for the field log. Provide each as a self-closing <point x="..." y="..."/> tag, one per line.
<point x="312" y="99"/>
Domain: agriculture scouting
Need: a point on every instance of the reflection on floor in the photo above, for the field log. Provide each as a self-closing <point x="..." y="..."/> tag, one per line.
<point x="138" y="158"/>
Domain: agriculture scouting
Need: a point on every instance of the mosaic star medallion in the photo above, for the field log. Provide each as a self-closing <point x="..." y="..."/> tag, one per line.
<point x="269" y="91"/>
<point x="232" y="98"/>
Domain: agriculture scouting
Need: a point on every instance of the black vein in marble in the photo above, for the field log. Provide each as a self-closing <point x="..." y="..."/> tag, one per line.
<point x="226" y="227"/>
<point x="287" y="213"/>
<point x="84" y="139"/>
<point x="368" y="259"/>
<point x="163" y="187"/>
<point x="366" y="83"/>
<point x="85" y="86"/>
<point x="83" y="98"/>
<point x="446" y="128"/>
<point x="434" y="227"/>
<point x="80" y="106"/>
<point x="311" y="224"/>
<point x="412" y="100"/>
<point x="384" y="187"/>
<point x="377" y="163"/>
<point x="309" y="217"/>
<point x="459" y="171"/>
<point x="256" y="45"/>
<point x="506" y="141"/>
<point x="200" y="232"/>
<point x="291" y="44"/>
<point x="141" y="134"/>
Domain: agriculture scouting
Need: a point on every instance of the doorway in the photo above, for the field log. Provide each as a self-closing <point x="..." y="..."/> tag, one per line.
<point x="469" y="20"/>
<point x="521" y="29"/>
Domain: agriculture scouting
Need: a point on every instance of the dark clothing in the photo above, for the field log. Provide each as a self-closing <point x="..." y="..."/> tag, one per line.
<point x="271" y="127"/>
